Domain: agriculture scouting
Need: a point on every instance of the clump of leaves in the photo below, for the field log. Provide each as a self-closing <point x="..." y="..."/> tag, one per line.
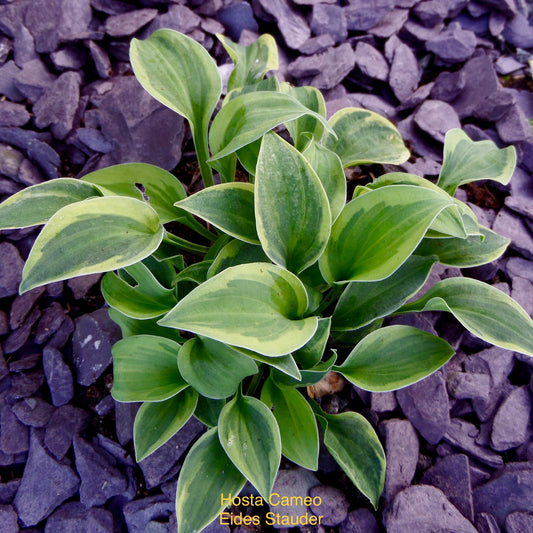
<point x="291" y="272"/>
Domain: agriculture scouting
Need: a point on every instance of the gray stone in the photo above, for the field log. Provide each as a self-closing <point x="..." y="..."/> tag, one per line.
<point x="125" y="24"/>
<point x="22" y="305"/>
<point x="318" y="44"/>
<point x="15" y="436"/>
<point x="514" y="126"/>
<point x="25" y="384"/>
<point x="33" y="80"/>
<point x="124" y="418"/>
<point x="453" y="45"/>
<point x="20" y="138"/>
<point x="111" y="7"/>
<point x="6" y="47"/>
<point x="50" y="321"/>
<point x="507" y="7"/>
<point x="481" y="81"/>
<point x="101" y="60"/>
<point x="105" y="406"/>
<point x="179" y="18"/>
<point x="58" y="376"/>
<point x="95" y="140"/>
<point x="419" y="96"/>
<point x="368" y="101"/>
<point x="45" y="157"/>
<point x="417" y="34"/>
<point x="519" y="267"/>
<point x="507" y="65"/>
<point x="512" y="226"/>
<point x="8" y="490"/>
<point x="291" y="24"/>
<point x="69" y="57"/>
<point x="362" y="15"/>
<point x="327" y="69"/>
<point x="497" y="23"/>
<point x="518" y="523"/>
<point x="390" y="47"/>
<point x="392" y="23"/>
<point x="329" y="20"/>
<point x="119" y="453"/>
<point x="468" y="385"/>
<point x="11" y="16"/>
<point x="157" y="466"/>
<point x="426" y="406"/>
<point x="45" y="484"/>
<point x="507" y="492"/>
<point x="10" y="161"/>
<point x="4" y="326"/>
<point x="141" y="128"/>
<point x="448" y="85"/>
<point x="371" y="62"/>
<point x="495" y="105"/>
<point x="402" y="447"/>
<point x="58" y="105"/>
<point x="359" y="521"/>
<point x="140" y="513"/>
<point x="383" y="402"/>
<point x="452" y="475"/>
<point x="12" y="114"/>
<point x="8" y="519"/>
<point x="33" y="412"/>
<point x="294" y="482"/>
<point x="10" y="269"/>
<point x="73" y="517"/>
<point x="463" y="435"/>
<point x="424" y="508"/>
<point x="100" y="478"/>
<point x="66" y="422"/>
<point x="93" y="338"/>
<point x="519" y="32"/>
<point x="333" y="507"/>
<point x="8" y="73"/>
<point x="404" y="72"/>
<point x="81" y="285"/>
<point x="23" y="46"/>
<point x="436" y="118"/>
<point x="486" y="523"/>
<point x="511" y="425"/>
<point x="431" y="12"/>
<point x="522" y="293"/>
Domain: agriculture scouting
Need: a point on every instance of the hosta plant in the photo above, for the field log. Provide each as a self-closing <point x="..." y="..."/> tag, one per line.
<point x="285" y="280"/>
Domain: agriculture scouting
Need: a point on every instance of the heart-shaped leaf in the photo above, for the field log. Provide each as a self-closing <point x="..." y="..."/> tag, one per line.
<point x="145" y="369"/>
<point x="310" y="354"/>
<point x="206" y="471"/>
<point x="256" y="306"/>
<point x="94" y="235"/>
<point x="237" y="253"/>
<point x="291" y="206"/>
<point x="157" y="422"/>
<point x="394" y="357"/>
<point x="483" y="310"/>
<point x="250" y="436"/>
<point x="36" y="204"/>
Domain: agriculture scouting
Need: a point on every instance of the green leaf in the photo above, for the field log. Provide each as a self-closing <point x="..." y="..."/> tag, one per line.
<point x="464" y="253"/>
<point x="248" y="156"/>
<point x="328" y="167"/>
<point x="376" y="233"/>
<point x="365" y="137"/>
<point x="466" y="160"/>
<point x="310" y="354"/>
<point x="250" y="436"/>
<point x="208" y="410"/>
<point x="483" y="310"/>
<point x="394" y="357"/>
<point x="256" y="306"/>
<point x="95" y="235"/>
<point x="213" y="368"/>
<point x="353" y="443"/>
<point x="237" y="253"/>
<point x="228" y="206"/>
<point x="161" y="188"/>
<point x="350" y="337"/>
<point x="291" y="206"/>
<point x="36" y="204"/>
<point x="252" y="62"/>
<point x="132" y="326"/>
<point x="308" y="377"/>
<point x="285" y="364"/>
<point x="197" y="273"/>
<point x="157" y="422"/>
<point x="147" y="299"/>
<point x="361" y="302"/>
<point x="206" y="471"/>
<point x="296" y="422"/>
<point x="306" y="128"/>
<point x="243" y="119"/>
<point x="145" y="369"/>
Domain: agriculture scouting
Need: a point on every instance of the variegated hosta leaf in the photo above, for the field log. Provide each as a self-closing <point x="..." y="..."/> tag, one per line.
<point x="394" y="357"/>
<point x="483" y="310"/>
<point x="365" y="137"/>
<point x="94" y="235"/>
<point x="466" y="161"/>
<point x="161" y="188"/>
<point x="291" y="207"/>
<point x="256" y="306"/>
<point x="310" y="354"/>
<point x="36" y="204"/>
<point x="228" y="206"/>
<point x="236" y="253"/>
<point x="376" y="233"/>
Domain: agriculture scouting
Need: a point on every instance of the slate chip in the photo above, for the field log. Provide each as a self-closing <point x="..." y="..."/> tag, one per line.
<point x="512" y="226"/>
<point x="10" y="269"/>
<point x="404" y="72"/>
<point x="518" y="31"/>
<point x="8" y="73"/>
<point x="359" y="521"/>
<point x="45" y="157"/>
<point x="34" y="412"/>
<point x="58" y="376"/>
<point x="73" y="516"/>
<point x="330" y="20"/>
<point x="15" y="436"/>
<point x="95" y="140"/>
<point x="448" y="85"/>
<point x="178" y="17"/>
<point x="140" y="513"/>
<point x="101" y="60"/>
<point x="371" y="62"/>
<point x="51" y="319"/>
<point x="453" y="45"/>
<point x="66" y="422"/>
<point x="18" y="337"/>
<point x="513" y="126"/>
<point x="125" y="24"/>
<point x="362" y="15"/>
<point x="431" y="12"/>
<point x="12" y="114"/>
<point x="33" y="80"/>
<point x="45" y="484"/>
<point x="333" y="507"/>
<point x="236" y="17"/>
<point x="469" y="385"/>
<point x="518" y="523"/>
<point x="436" y="118"/>
<point x="8" y="518"/>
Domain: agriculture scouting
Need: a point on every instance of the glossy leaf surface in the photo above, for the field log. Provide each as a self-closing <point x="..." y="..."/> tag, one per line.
<point x="95" y="235"/>
<point x="291" y="206"/>
<point x="310" y="354"/>
<point x="394" y="357"/>
<point x="250" y="436"/>
<point x="235" y="253"/>
<point x="256" y="306"/>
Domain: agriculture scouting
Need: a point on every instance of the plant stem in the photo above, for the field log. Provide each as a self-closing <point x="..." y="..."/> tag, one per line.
<point x="256" y="380"/>
<point x="199" y="228"/>
<point x="186" y="245"/>
<point x="202" y="151"/>
<point x="331" y="296"/>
